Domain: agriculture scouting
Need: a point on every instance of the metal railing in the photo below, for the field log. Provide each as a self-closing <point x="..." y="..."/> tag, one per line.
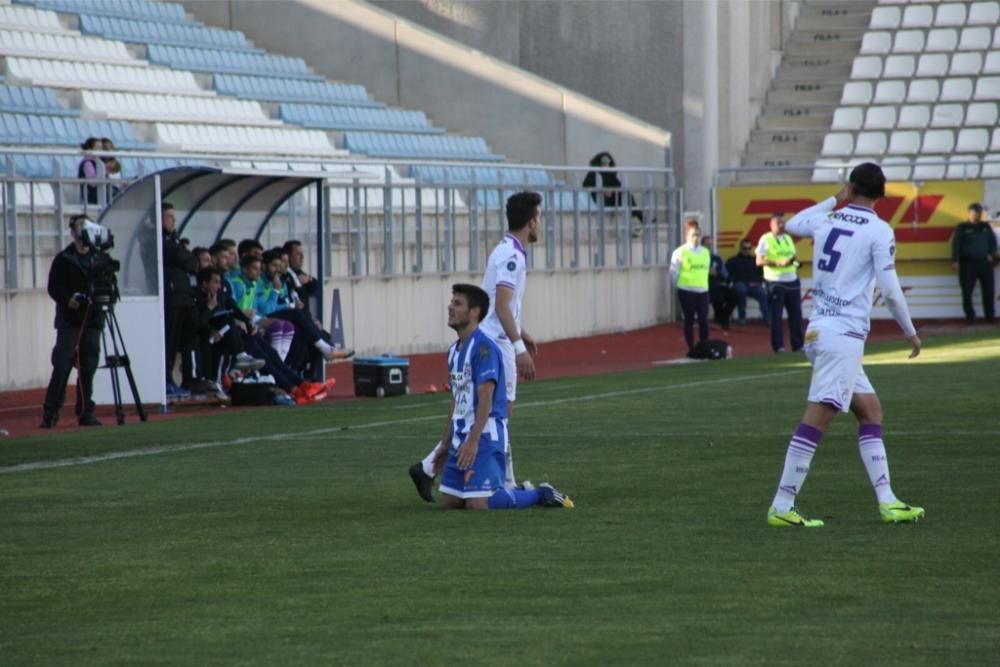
<point x="380" y="223"/>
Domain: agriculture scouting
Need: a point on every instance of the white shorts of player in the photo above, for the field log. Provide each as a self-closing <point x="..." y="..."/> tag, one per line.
<point x="837" y="372"/>
<point x="509" y="367"/>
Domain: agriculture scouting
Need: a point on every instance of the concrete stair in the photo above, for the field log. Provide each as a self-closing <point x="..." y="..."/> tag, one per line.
<point x="806" y="90"/>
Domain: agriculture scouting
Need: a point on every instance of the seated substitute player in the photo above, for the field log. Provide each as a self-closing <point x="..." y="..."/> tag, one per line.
<point x="473" y="475"/>
<point x="854" y="250"/>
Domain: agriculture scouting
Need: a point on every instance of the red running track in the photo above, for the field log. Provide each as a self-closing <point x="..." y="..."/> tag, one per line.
<point x="20" y="411"/>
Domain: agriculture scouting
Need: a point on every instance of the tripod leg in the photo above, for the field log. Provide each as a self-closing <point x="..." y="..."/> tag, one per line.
<point x="126" y="362"/>
<point x="116" y="390"/>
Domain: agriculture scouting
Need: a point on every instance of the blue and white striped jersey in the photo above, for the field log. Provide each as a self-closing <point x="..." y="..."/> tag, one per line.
<point x="470" y="364"/>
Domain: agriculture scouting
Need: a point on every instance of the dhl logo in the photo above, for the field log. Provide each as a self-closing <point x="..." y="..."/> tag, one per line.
<point x="923" y="219"/>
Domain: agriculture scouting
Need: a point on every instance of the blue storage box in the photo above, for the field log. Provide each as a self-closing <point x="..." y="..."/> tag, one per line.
<point x="381" y="376"/>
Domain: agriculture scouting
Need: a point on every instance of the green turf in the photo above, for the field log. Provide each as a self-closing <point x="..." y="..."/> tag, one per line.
<point x="313" y="549"/>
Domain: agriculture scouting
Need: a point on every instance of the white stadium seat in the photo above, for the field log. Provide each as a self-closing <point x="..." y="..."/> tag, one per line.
<point x="884" y="18"/>
<point x="907" y="41"/>
<point x="175" y="108"/>
<point x="870" y="143"/>
<point x="899" y="67"/>
<point x="923" y="90"/>
<point x="972" y="140"/>
<point x="876" y="42"/>
<point x="856" y="92"/>
<point x="95" y="76"/>
<point x="948" y="115"/>
<point x="904" y="142"/>
<point x="890" y="92"/>
<point x="941" y="39"/>
<point x="837" y="144"/>
<point x="975" y="39"/>
<point x="950" y="13"/>
<point x="917" y="116"/>
<point x="956" y="90"/>
<point x="963" y="166"/>
<point x="996" y="39"/>
<point x="242" y="139"/>
<point x="65" y="47"/>
<point x="847" y="118"/>
<point x="918" y="16"/>
<point x="988" y="88"/>
<point x="829" y="171"/>
<point x="981" y="114"/>
<point x="995" y="143"/>
<point x="992" y="63"/>
<point x="880" y="118"/>
<point x="866" y="67"/>
<point x="929" y="172"/>
<point x="938" y="141"/>
<point x="991" y="167"/>
<point x="984" y="13"/>
<point x="964" y="64"/>
<point x="20" y="17"/>
<point x="932" y="65"/>
<point x="896" y="168"/>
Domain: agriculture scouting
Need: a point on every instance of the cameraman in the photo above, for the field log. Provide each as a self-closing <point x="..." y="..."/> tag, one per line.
<point x="78" y="328"/>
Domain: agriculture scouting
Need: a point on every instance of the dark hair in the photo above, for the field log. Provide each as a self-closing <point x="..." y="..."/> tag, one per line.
<point x="229" y="243"/>
<point x="475" y="295"/>
<point x="247" y="260"/>
<point x="777" y="216"/>
<point x="73" y="219"/>
<point x="976" y="206"/>
<point x="89" y="143"/>
<point x="521" y="208"/>
<point x="291" y="245"/>
<point x="270" y="256"/>
<point x="246" y="245"/>
<point x="217" y="247"/>
<point x="868" y="180"/>
<point x="197" y="250"/>
<point x="596" y="160"/>
<point x="205" y="275"/>
<point x="746" y="241"/>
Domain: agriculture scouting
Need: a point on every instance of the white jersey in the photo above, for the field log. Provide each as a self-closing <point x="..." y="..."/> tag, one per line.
<point x="853" y="250"/>
<point x="507" y="267"/>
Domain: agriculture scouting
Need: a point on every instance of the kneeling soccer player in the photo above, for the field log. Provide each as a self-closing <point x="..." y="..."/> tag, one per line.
<point x="473" y="465"/>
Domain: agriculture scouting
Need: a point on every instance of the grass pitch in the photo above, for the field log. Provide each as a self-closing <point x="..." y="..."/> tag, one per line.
<point x="294" y="536"/>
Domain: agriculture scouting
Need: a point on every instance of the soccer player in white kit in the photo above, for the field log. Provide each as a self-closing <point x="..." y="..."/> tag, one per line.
<point x="853" y="251"/>
<point x="504" y="282"/>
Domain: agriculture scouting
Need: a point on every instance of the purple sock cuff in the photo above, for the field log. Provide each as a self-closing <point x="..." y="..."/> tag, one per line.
<point x="810" y="433"/>
<point x="870" y="430"/>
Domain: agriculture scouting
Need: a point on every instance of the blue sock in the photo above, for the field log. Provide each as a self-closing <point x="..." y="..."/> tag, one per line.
<point x="514" y="499"/>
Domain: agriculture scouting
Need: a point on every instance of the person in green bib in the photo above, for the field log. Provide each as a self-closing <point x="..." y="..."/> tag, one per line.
<point x="689" y="267"/>
<point x="776" y="254"/>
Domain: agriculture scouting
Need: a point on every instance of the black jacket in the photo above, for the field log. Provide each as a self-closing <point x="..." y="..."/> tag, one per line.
<point x="72" y="273"/>
<point x="973" y="241"/>
<point x="178" y="267"/>
<point x="744" y="269"/>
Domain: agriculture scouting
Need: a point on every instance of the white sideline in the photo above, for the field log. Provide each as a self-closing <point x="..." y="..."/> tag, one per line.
<point x="165" y="449"/>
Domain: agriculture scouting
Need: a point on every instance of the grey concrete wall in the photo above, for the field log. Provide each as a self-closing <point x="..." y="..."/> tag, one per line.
<point x="524" y="117"/>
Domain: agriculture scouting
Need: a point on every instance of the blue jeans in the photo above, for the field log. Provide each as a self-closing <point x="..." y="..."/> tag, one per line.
<point x="785" y="296"/>
<point x="759" y="295"/>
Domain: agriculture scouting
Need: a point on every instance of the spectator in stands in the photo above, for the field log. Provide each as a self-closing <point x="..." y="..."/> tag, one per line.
<point x="776" y="254"/>
<point x="689" y="267"/>
<point x="605" y="187"/>
<point x="78" y="329"/>
<point x="747" y="279"/>
<point x="112" y="168"/>
<point x="722" y="296"/>
<point x="306" y="285"/>
<point x="973" y="251"/>
<point x="87" y="169"/>
<point x="179" y="267"/>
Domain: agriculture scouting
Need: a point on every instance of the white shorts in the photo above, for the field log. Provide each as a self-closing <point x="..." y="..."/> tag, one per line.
<point x="838" y="374"/>
<point x="509" y="366"/>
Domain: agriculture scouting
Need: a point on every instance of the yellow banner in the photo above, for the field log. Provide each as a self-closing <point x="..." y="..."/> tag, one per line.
<point x="923" y="218"/>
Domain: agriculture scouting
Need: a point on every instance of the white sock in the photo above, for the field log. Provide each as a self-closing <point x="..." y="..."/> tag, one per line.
<point x="873" y="455"/>
<point x="323" y="346"/>
<point x="285" y="344"/>
<point x="509" y="481"/>
<point x="798" y="457"/>
<point x="428" y="462"/>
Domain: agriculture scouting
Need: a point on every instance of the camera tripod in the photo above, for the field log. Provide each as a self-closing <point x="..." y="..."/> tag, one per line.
<point x="116" y="357"/>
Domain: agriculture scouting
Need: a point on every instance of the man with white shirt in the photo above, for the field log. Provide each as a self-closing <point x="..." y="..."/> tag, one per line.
<point x="854" y="251"/>
<point x="504" y="283"/>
